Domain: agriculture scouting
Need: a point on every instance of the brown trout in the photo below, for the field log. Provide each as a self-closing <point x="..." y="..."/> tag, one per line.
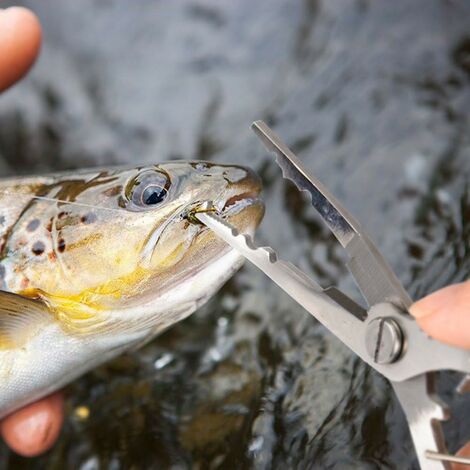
<point x="93" y="263"/>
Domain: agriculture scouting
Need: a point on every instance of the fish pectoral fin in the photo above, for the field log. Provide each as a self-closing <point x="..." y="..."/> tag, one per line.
<point x="20" y="319"/>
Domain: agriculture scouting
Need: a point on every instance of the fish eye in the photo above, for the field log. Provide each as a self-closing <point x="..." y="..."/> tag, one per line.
<point x="148" y="189"/>
<point x="152" y="195"/>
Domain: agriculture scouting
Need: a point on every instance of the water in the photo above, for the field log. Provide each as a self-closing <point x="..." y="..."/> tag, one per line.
<point x="374" y="98"/>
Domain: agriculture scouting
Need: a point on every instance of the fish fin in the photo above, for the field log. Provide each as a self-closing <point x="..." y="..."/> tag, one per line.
<point x="20" y="318"/>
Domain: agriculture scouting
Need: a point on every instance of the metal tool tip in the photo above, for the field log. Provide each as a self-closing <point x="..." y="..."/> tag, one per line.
<point x="262" y="130"/>
<point x="257" y="124"/>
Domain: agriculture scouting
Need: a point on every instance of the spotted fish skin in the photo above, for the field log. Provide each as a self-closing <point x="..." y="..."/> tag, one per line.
<point x="96" y="262"/>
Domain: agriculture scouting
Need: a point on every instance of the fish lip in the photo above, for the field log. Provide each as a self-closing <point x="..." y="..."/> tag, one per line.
<point x="240" y="204"/>
<point x="241" y="198"/>
<point x="231" y="206"/>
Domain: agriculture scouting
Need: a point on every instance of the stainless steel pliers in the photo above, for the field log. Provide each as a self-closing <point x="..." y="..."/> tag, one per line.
<point x="384" y="335"/>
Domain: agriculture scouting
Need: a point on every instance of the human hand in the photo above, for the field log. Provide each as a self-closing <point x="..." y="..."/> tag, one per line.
<point x="34" y="428"/>
<point x="445" y="315"/>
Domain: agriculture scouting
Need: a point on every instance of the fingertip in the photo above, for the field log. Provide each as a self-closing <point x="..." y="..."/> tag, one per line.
<point x="20" y="40"/>
<point x="33" y="430"/>
<point x="445" y="314"/>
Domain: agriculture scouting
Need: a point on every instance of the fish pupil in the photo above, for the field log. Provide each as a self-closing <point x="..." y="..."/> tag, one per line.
<point x="153" y="195"/>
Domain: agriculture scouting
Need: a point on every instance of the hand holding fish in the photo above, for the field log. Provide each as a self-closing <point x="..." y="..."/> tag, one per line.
<point x="76" y="291"/>
<point x="33" y="429"/>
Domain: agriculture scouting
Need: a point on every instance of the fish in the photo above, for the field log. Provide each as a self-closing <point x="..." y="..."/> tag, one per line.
<point x="97" y="262"/>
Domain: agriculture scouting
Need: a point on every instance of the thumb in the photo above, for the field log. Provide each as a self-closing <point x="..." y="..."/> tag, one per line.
<point x="445" y="314"/>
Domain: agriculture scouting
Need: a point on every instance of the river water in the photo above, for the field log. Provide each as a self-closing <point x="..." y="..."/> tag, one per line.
<point x="374" y="98"/>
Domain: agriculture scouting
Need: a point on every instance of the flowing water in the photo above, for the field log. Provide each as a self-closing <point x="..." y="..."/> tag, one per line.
<point x="374" y="98"/>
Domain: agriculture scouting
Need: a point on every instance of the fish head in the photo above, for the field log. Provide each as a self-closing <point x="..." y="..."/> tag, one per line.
<point x="122" y="239"/>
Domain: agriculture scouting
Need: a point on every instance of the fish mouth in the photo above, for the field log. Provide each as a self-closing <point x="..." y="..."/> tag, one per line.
<point x="233" y="206"/>
<point x="238" y="202"/>
<point x="200" y="247"/>
<point x="242" y="194"/>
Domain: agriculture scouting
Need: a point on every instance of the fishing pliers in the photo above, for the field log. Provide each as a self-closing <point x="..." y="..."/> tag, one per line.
<point x="384" y="334"/>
